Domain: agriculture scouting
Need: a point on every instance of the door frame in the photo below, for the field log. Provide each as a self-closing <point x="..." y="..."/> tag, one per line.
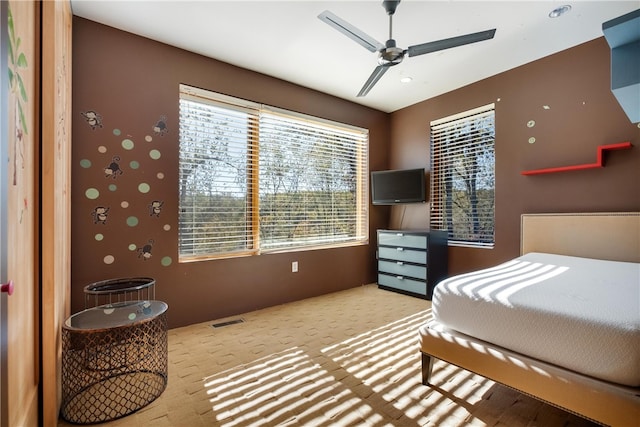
<point x="4" y="154"/>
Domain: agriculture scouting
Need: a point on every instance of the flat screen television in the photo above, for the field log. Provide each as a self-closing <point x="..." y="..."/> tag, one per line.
<point x="393" y="187"/>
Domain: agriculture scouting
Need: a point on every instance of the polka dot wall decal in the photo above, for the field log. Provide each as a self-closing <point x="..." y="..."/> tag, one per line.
<point x="148" y="138"/>
<point x="160" y="175"/>
<point x="116" y="132"/>
<point x="99" y="237"/>
<point x="113" y="187"/>
<point x="109" y="259"/>
<point x="167" y="227"/>
<point x="92" y="193"/>
<point x="132" y="247"/>
<point x="166" y="261"/>
<point x="143" y="187"/>
<point x="102" y="149"/>
<point x="132" y="221"/>
<point x="127" y="144"/>
<point x="134" y="164"/>
<point x="154" y="154"/>
<point x="124" y="204"/>
<point x="85" y="163"/>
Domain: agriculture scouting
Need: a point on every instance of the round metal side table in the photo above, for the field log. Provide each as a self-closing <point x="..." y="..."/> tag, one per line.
<point x="114" y="360"/>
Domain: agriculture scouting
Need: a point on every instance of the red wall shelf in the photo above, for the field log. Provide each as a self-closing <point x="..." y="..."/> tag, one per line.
<point x="598" y="164"/>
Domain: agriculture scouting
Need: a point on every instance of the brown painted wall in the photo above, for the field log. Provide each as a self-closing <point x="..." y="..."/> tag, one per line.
<point x="132" y="83"/>
<point x="582" y="114"/>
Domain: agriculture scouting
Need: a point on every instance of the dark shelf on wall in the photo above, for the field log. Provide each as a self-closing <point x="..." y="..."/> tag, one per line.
<point x="598" y="164"/>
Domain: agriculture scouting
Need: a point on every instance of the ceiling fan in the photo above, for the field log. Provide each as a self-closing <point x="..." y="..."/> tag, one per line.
<point x="389" y="54"/>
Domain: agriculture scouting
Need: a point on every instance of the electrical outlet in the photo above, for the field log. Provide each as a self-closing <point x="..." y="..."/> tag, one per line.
<point x="294" y="266"/>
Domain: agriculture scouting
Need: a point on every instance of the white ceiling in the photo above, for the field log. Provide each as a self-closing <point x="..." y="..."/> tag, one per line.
<point x="285" y="39"/>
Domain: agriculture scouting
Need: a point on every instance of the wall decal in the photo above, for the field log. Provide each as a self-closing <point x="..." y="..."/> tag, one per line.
<point x="160" y="128"/>
<point x="92" y="193"/>
<point x="128" y="144"/>
<point x="100" y="215"/>
<point x="144" y="252"/>
<point x="117" y="166"/>
<point x="113" y="170"/>
<point x="155" y="208"/>
<point x="18" y="61"/>
<point x="92" y="118"/>
<point x="143" y="187"/>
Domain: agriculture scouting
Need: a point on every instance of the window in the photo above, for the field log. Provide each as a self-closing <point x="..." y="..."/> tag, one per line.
<point x="463" y="176"/>
<point x="255" y="178"/>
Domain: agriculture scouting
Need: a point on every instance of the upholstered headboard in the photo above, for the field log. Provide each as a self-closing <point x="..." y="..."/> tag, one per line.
<point x="605" y="235"/>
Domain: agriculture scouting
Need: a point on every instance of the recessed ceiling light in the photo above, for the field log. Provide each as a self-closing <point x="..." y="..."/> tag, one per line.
<point x="406" y="79"/>
<point x="559" y="11"/>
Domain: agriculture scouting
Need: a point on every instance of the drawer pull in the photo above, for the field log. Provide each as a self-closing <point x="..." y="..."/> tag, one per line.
<point x="399" y="234"/>
<point x="400" y="249"/>
<point x="400" y="263"/>
<point x="400" y="277"/>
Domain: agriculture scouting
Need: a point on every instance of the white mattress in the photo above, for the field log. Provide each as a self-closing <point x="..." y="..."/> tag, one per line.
<point x="577" y="313"/>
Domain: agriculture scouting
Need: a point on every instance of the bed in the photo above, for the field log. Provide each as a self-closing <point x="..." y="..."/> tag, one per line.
<point x="531" y="324"/>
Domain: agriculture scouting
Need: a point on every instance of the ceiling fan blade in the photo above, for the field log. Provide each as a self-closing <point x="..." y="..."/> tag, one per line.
<point x="350" y="31"/>
<point x="421" y="49"/>
<point x="373" y="79"/>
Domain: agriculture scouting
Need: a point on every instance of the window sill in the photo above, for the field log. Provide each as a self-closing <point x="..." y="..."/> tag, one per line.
<point x="190" y="259"/>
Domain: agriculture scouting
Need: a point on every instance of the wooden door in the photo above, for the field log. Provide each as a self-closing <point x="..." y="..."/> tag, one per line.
<point x="20" y="327"/>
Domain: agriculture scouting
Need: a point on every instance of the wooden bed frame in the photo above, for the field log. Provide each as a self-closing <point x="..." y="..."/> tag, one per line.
<point x="613" y="236"/>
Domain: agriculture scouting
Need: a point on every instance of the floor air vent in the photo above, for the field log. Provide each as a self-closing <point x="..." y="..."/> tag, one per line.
<point x="227" y="323"/>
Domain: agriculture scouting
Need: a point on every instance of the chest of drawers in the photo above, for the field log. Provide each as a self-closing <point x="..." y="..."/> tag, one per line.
<point x="411" y="262"/>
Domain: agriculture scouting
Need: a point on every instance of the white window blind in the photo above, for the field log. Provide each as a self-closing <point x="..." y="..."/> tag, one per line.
<point x="256" y="178"/>
<point x="217" y="145"/>
<point x="313" y="182"/>
<point x="463" y="176"/>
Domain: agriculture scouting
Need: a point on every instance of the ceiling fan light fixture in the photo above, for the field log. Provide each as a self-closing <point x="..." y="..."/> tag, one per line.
<point x="559" y="11"/>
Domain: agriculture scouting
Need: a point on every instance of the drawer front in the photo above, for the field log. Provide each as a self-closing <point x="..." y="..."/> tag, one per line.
<point x="401" y="269"/>
<point x="401" y="239"/>
<point x="401" y="283"/>
<point x="402" y="254"/>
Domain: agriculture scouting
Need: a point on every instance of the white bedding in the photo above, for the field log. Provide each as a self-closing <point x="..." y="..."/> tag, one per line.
<point x="578" y="313"/>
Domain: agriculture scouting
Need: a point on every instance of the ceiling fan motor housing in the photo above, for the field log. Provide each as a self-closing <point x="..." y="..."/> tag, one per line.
<point x="390" y="55"/>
